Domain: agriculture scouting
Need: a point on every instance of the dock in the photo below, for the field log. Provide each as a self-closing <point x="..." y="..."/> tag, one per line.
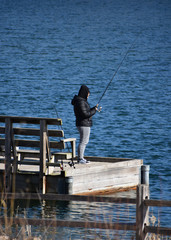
<point x="34" y="159"/>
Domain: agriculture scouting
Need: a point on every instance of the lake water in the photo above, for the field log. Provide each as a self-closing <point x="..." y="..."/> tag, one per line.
<point x="49" y="48"/>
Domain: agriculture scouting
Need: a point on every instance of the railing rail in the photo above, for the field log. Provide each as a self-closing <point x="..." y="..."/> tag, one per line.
<point x="142" y="210"/>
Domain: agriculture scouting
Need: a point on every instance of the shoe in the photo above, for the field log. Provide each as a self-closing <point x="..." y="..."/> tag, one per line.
<point x="86" y="160"/>
<point x="83" y="161"/>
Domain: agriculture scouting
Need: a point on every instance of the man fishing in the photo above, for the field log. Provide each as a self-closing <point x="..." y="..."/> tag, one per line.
<point x="83" y="114"/>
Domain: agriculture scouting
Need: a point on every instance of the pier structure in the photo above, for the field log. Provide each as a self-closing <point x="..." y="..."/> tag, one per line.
<point x="34" y="157"/>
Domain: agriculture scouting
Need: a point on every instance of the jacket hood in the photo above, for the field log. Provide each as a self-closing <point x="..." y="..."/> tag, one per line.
<point x="83" y="92"/>
<point x="77" y="99"/>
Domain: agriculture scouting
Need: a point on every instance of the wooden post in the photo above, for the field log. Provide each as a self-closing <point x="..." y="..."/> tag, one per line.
<point x="142" y="211"/>
<point x="73" y="149"/>
<point x="15" y="160"/>
<point x="145" y="174"/>
<point x="49" y="169"/>
<point x="43" y="138"/>
<point x="7" y="181"/>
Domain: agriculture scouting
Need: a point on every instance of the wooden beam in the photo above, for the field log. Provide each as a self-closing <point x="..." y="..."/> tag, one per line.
<point x="32" y="120"/>
<point x="142" y="212"/>
<point x="158" y="230"/>
<point x="15" y="161"/>
<point x="2" y="130"/>
<point x="66" y="197"/>
<point x="55" y="133"/>
<point x="69" y="139"/>
<point x="8" y="169"/>
<point x="62" y="155"/>
<point x="157" y="203"/>
<point x="35" y="143"/>
<point x="71" y="224"/>
<point x="58" y="145"/>
<point x="34" y="132"/>
<point x="27" y="143"/>
<point x="111" y="159"/>
<point x="43" y="138"/>
<point x="33" y="163"/>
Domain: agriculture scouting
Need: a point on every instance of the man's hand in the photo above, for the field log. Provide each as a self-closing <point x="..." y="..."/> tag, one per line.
<point x="96" y="107"/>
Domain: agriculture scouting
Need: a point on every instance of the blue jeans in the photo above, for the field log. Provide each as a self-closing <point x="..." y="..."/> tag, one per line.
<point x="84" y="139"/>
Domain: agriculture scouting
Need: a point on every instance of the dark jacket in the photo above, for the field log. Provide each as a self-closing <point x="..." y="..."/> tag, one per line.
<point x="82" y="111"/>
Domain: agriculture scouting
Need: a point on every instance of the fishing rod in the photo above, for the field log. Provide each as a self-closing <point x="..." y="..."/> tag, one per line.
<point x="116" y="72"/>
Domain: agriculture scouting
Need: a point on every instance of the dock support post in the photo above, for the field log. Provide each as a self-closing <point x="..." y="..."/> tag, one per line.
<point x="142" y="211"/>
<point x="43" y="137"/>
<point x="145" y="174"/>
<point x="68" y="185"/>
<point x="8" y="168"/>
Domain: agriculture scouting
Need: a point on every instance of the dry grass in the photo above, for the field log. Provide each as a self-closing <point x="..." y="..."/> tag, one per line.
<point x="26" y="232"/>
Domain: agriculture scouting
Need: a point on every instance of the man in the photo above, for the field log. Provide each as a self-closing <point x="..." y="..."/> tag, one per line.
<point x="83" y="114"/>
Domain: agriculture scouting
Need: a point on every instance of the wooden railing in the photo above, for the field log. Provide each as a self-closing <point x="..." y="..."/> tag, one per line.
<point x="10" y="142"/>
<point x="142" y="203"/>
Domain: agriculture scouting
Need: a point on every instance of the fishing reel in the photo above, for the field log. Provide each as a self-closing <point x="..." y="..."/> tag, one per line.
<point x="99" y="109"/>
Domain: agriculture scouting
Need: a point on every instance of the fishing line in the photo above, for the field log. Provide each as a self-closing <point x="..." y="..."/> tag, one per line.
<point x="117" y="69"/>
<point x="62" y="129"/>
<point x="71" y="163"/>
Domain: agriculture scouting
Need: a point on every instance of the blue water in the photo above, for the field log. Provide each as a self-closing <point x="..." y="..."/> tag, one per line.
<point x="49" y="48"/>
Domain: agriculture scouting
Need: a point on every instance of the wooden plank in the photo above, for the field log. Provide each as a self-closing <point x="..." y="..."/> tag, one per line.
<point x="32" y="120"/>
<point x="26" y="153"/>
<point x="2" y="141"/>
<point x="36" y="154"/>
<point x="158" y="230"/>
<point x="71" y="224"/>
<point x="103" y="180"/>
<point x="2" y="160"/>
<point x="55" y="133"/>
<point x="58" y="145"/>
<point x="52" y="164"/>
<point x="157" y="203"/>
<point x="2" y="130"/>
<point x="27" y="131"/>
<point x="32" y="162"/>
<point x="23" y="143"/>
<point x="111" y="159"/>
<point x="34" y="132"/>
<point x="62" y="155"/>
<point x="66" y="197"/>
<point x="35" y="143"/>
<point x="27" y="143"/>
<point x="69" y="139"/>
<point x="29" y="162"/>
<point x="116" y="169"/>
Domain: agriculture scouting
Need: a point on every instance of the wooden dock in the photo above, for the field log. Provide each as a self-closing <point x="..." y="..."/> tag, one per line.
<point x="31" y="160"/>
<point x="103" y="175"/>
